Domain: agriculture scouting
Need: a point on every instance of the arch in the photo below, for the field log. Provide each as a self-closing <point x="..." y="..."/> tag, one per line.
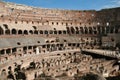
<point x="116" y="29"/>
<point x="24" y="48"/>
<point x="51" y="32"/>
<point x="68" y="30"/>
<point x="77" y="30"/>
<point x="111" y="29"/>
<point x="29" y="47"/>
<point x="14" y="50"/>
<point x="14" y="31"/>
<point x="66" y="24"/>
<point x="25" y="32"/>
<point x="35" y="32"/>
<point x="64" y="32"/>
<point x="31" y="32"/>
<point x="99" y="29"/>
<point x="7" y="31"/>
<point x="8" y="51"/>
<point x="90" y="30"/>
<point x="60" y="32"/>
<point x="19" y="31"/>
<point x="1" y="31"/>
<point x="103" y="30"/>
<point x="55" y="32"/>
<point x="41" y="32"/>
<point x="94" y="30"/>
<point x="118" y="45"/>
<point x="72" y="30"/>
<point x="81" y="30"/>
<point x="45" y="32"/>
<point x="2" y="51"/>
<point x="107" y="29"/>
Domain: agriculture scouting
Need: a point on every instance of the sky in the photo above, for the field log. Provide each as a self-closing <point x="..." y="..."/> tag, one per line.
<point x="70" y="4"/>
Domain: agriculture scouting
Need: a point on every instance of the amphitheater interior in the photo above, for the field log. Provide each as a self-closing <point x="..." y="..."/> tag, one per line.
<point x="56" y="44"/>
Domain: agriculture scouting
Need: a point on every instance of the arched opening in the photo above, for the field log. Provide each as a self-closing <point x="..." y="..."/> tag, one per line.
<point x="86" y="30"/>
<point x="64" y="32"/>
<point x="111" y="29"/>
<point x="103" y="30"/>
<point x="55" y="32"/>
<point x="68" y="30"/>
<point x="1" y="31"/>
<point x="29" y="47"/>
<point x="8" y="51"/>
<point x="118" y="45"/>
<point x="77" y="30"/>
<point x="81" y="30"/>
<point x="7" y="31"/>
<point x="66" y="24"/>
<point x="72" y="30"/>
<point x="14" y="50"/>
<point x="51" y="32"/>
<point x="116" y="29"/>
<point x="60" y="32"/>
<point x="41" y="32"/>
<point x="14" y="31"/>
<point x="94" y="30"/>
<point x="45" y="32"/>
<point x="107" y="29"/>
<point x="2" y="52"/>
<point x="31" y="32"/>
<point x="25" y="32"/>
<point x="99" y="29"/>
<point x="90" y="30"/>
<point x="19" y="31"/>
<point x="25" y="48"/>
<point x="35" y="32"/>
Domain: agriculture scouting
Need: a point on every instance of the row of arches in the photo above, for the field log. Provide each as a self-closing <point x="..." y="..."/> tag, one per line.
<point x="26" y="32"/>
<point x="14" y="50"/>
<point x="93" y="30"/>
<point x="70" y="30"/>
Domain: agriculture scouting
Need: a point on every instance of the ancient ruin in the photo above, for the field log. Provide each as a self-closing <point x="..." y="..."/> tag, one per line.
<point x="54" y="44"/>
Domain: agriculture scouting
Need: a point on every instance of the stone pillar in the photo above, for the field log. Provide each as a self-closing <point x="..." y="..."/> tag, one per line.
<point x="37" y="50"/>
<point x="5" y="52"/>
<point x="11" y="50"/>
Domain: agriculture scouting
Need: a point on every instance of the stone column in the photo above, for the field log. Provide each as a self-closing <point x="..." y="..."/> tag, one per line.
<point x="37" y="50"/>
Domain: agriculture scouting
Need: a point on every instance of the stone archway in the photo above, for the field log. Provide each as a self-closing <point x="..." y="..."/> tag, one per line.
<point x="35" y="32"/>
<point x="72" y="30"/>
<point x="14" y="31"/>
<point x="1" y="31"/>
<point x="31" y="32"/>
<point x="86" y="30"/>
<point x="41" y="32"/>
<point x="7" y="31"/>
<point x="20" y="32"/>
<point x="25" y="32"/>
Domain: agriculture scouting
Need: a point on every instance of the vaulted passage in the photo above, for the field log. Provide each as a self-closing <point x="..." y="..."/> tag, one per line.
<point x="72" y="30"/>
<point x="14" y="31"/>
<point x="31" y="32"/>
<point x="68" y="30"/>
<point x="25" y="32"/>
<point x="35" y="32"/>
<point x="7" y="31"/>
<point x="19" y="31"/>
